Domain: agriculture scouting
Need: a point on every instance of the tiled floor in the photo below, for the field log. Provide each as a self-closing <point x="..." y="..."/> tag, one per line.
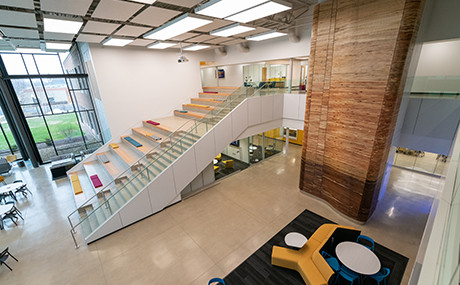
<point x="202" y="237"/>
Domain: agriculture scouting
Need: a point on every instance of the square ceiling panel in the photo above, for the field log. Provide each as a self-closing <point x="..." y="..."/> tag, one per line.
<point x="20" y="33"/>
<point x="184" y="36"/>
<point x="90" y="38"/>
<point x="13" y="18"/>
<point x="217" y="23"/>
<point x="26" y="43"/>
<point x="28" y="4"/>
<point x="218" y="40"/>
<point x="232" y="42"/>
<point x="73" y="7"/>
<point x="155" y="16"/>
<point x="200" y="38"/>
<point x="141" y="42"/>
<point x="258" y="30"/>
<point x="183" y="3"/>
<point x="115" y="10"/>
<point x="100" y="27"/>
<point x="183" y="45"/>
<point x="132" y="31"/>
<point x="58" y="36"/>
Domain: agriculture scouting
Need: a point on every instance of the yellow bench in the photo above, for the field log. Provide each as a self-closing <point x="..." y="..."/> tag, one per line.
<point x="308" y="260"/>
<point x="76" y="184"/>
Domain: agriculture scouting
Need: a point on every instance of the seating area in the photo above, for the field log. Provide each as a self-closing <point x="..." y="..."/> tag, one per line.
<point x="9" y="195"/>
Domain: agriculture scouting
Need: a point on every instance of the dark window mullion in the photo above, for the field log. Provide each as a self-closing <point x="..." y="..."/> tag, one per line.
<point x="6" y="139"/>
<point x="75" y="110"/>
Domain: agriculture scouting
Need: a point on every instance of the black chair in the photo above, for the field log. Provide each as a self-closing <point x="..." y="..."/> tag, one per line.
<point x="4" y="256"/>
<point x="23" y="189"/>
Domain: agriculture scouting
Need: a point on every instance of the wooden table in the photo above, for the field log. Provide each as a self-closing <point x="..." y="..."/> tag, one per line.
<point x="358" y="258"/>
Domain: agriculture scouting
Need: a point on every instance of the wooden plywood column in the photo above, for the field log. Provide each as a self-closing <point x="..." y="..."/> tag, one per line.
<point x="359" y="57"/>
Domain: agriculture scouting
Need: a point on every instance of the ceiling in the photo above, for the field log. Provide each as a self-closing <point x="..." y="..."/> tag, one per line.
<point x="21" y="21"/>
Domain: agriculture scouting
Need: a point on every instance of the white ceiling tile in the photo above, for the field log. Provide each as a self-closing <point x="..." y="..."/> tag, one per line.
<point x="217" y="40"/>
<point x="20" y="33"/>
<point x="21" y="19"/>
<point x="217" y="23"/>
<point x="6" y="47"/>
<point x="99" y="27"/>
<point x="200" y="38"/>
<point x="232" y="42"/>
<point x="141" y="42"/>
<point x="58" y="36"/>
<point x="183" y="3"/>
<point x="90" y="38"/>
<point x="72" y="7"/>
<point x="116" y="10"/>
<point x="26" y="43"/>
<point x="183" y="45"/>
<point x="155" y="16"/>
<point x="28" y="4"/>
<point x="184" y="36"/>
<point x="132" y="31"/>
<point x="258" y="30"/>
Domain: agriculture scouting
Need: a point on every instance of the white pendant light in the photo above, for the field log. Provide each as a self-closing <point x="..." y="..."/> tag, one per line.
<point x="161" y="45"/>
<point x="178" y="26"/>
<point x="225" y="8"/>
<point x="196" y="47"/>
<point x="264" y="10"/>
<point x="266" y="36"/>
<point x="63" y="26"/>
<point x="116" y="42"/>
<point x="231" y="30"/>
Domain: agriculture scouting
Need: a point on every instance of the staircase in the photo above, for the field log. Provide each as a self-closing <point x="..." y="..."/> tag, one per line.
<point x="147" y="167"/>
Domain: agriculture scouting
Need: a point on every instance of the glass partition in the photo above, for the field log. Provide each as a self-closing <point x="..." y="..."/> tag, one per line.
<point x="422" y="161"/>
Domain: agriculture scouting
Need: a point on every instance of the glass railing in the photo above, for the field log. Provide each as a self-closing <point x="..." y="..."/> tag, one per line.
<point x="91" y="214"/>
<point x="447" y="86"/>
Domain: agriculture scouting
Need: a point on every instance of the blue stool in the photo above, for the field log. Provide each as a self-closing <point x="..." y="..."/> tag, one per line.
<point x="217" y="279"/>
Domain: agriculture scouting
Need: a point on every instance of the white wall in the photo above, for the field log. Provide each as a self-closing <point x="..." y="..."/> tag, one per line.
<point x="233" y="76"/>
<point x="138" y="83"/>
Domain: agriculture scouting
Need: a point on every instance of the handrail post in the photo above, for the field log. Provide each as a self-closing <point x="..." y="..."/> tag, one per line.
<point x="74" y="240"/>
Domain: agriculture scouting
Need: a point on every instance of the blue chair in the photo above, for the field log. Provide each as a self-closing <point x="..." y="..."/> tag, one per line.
<point x="349" y="275"/>
<point x="333" y="263"/>
<point x="379" y="276"/>
<point x="219" y="280"/>
<point x="367" y="240"/>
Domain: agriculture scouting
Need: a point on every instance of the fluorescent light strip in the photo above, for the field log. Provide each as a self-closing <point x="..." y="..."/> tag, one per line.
<point x="62" y="26"/>
<point x="258" y="12"/>
<point x="58" y="46"/>
<point x="145" y="1"/>
<point x="231" y="30"/>
<point x="116" y="42"/>
<point x="225" y="8"/>
<point x="160" y="45"/>
<point x="266" y="36"/>
<point x="181" y="25"/>
<point x="195" y="47"/>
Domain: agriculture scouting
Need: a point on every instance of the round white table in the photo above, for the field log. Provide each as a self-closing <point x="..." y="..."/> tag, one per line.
<point x="4" y="209"/>
<point x="358" y="258"/>
<point x="10" y="187"/>
<point x="295" y="239"/>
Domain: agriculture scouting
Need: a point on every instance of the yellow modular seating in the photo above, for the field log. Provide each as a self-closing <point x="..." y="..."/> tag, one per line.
<point x="308" y="260"/>
<point x="11" y="158"/>
<point x="198" y="106"/>
<point x="216" y="168"/>
<point x="228" y="163"/>
<point x="2" y="179"/>
<point x="114" y="145"/>
<point x="219" y="157"/>
<point x="76" y="184"/>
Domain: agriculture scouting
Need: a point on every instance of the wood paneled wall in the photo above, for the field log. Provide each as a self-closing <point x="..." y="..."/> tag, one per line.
<point x="360" y="53"/>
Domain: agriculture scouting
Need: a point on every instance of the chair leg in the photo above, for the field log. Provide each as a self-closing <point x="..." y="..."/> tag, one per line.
<point x="7" y="266"/>
<point x="13" y="257"/>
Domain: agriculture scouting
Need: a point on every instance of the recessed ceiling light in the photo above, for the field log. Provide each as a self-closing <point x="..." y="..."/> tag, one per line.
<point x="225" y="8"/>
<point x="195" y="47"/>
<point x="161" y="45"/>
<point x="145" y="1"/>
<point x="29" y="50"/>
<point x="178" y="26"/>
<point x="264" y="10"/>
<point x="266" y="36"/>
<point x="116" y="42"/>
<point x="231" y="30"/>
<point x="58" y="46"/>
<point x="62" y="26"/>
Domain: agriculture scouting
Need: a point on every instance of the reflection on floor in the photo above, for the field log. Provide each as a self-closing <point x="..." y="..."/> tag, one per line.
<point x="223" y="171"/>
<point x="205" y="236"/>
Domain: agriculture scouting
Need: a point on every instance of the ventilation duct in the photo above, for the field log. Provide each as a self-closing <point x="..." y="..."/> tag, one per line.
<point x="293" y="37"/>
<point x="220" y="51"/>
<point x="241" y="47"/>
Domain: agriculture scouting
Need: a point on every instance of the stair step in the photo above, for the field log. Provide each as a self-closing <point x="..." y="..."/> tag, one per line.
<point x="199" y="108"/>
<point x="207" y="101"/>
<point x="219" y="96"/>
<point x="189" y="115"/>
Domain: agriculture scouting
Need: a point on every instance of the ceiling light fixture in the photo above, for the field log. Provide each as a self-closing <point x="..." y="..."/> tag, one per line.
<point x="231" y="30"/>
<point x="196" y="47"/>
<point x="161" y="45"/>
<point x="178" y="26"/>
<point x="263" y="10"/>
<point x="62" y="26"/>
<point x="225" y="8"/>
<point x="145" y="1"/>
<point x="58" y="46"/>
<point x="266" y="36"/>
<point x="116" y="42"/>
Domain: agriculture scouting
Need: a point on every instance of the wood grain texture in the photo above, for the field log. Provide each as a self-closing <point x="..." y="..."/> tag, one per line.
<point x="360" y="53"/>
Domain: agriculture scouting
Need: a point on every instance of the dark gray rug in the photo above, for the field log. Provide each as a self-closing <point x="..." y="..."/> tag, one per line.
<point x="257" y="269"/>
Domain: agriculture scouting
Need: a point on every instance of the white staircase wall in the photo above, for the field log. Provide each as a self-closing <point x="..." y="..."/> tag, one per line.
<point x="253" y="115"/>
